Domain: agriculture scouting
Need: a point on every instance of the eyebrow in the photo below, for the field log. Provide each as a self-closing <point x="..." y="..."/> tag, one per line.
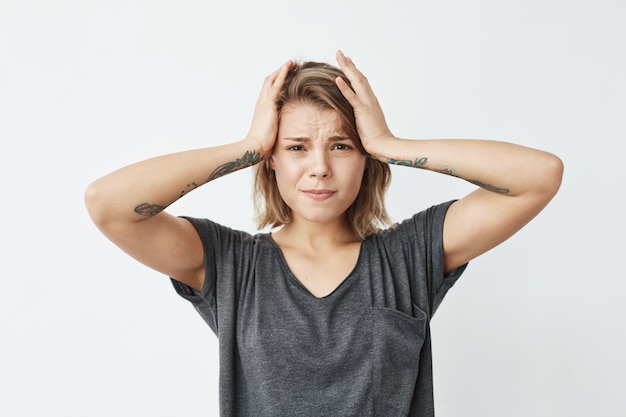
<point x="331" y="139"/>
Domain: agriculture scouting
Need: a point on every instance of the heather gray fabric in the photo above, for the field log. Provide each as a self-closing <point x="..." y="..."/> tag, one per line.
<point x="364" y="350"/>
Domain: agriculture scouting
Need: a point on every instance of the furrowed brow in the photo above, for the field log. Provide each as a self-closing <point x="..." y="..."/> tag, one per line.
<point x="340" y="139"/>
<point x="297" y="139"/>
<point x="330" y="139"/>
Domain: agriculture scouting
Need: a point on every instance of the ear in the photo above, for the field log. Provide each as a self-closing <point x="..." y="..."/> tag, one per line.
<point x="270" y="163"/>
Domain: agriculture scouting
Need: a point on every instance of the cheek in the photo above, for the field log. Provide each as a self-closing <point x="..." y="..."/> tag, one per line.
<point x="354" y="175"/>
<point x="287" y="176"/>
<point x="281" y="170"/>
<point x="359" y="170"/>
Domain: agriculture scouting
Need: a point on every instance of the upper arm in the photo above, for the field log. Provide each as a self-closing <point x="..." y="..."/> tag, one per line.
<point x="484" y="219"/>
<point x="163" y="242"/>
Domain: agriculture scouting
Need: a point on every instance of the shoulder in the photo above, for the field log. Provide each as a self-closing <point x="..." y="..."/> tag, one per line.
<point x="225" y="244"/>
<point x="209" y="230"/>
<point x="424" y="222"/>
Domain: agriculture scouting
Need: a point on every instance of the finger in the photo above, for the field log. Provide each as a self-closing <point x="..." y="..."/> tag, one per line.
<point x="359" y="82"/>
<point x="271" y="78"/>
<point x="343" y="62"/>
<point x="347" y="66"/>
<point x="345" y="89"/>
<point x="342" y="57"/>
<point x="281" y="74"/>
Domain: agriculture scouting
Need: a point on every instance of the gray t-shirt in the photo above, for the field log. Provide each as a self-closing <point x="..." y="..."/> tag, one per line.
<point x="363" y="350"/>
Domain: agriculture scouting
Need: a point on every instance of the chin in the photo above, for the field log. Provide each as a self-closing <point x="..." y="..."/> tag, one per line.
<point x="322" y="218"/>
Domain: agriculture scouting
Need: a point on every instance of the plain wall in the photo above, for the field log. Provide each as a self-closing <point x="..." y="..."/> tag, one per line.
<point x="533" y="329"/>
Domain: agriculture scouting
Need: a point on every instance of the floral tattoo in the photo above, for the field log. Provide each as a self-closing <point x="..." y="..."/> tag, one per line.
<point x="248" y="159"/>
<point x="418" y="163"/>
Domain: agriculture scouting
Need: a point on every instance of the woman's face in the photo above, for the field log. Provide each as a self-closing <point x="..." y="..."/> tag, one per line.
<point x="318" y="168"/>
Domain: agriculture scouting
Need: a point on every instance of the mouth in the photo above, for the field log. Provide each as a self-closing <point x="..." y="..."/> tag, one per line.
<point x="318" y="195"/>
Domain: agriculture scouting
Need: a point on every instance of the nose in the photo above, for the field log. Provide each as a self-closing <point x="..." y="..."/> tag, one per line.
<point x="319" y="168"/>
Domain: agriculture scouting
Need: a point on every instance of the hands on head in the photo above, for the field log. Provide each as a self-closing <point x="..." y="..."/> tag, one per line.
<point x="264" y="127"/>
<point x="370" y="120"/>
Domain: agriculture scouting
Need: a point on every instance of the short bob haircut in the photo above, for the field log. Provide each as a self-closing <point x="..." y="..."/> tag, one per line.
<point x="314" y="83"/>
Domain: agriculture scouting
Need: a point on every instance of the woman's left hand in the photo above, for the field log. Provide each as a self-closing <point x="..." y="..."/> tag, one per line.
<point x="370" y="120"/>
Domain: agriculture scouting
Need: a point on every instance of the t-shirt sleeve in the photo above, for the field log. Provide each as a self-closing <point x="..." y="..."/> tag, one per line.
<point x="424" y="234"/>
<point x="224" y="265"/>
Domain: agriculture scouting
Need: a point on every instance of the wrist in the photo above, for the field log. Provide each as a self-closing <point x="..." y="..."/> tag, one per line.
<point x="380" y="148"/>
<point x="255" y="146"/>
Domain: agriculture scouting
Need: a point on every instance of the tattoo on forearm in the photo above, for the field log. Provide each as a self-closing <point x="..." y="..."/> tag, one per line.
<point x="248" y="159"/>
<point x="447" y="171"/>
<point x="418" y="163"/>
<point x="488" y="187"/>
<point x="149" y="210"/>
<point x="190" y="187"/>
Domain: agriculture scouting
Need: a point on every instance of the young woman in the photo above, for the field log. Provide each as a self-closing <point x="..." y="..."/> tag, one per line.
<point x="329" y="314"/>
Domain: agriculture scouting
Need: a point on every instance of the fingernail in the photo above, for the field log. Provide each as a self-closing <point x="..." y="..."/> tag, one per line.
<point x="344" y="57"/>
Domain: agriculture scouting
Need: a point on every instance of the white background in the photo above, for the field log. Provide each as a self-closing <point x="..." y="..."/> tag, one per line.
<point x="534" y="328"/>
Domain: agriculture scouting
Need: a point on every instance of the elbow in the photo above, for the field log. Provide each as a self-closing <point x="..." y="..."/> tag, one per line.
<point x="105" y="204"/>
<point x="552" y="175"/>
<point x="556" y="168"/>
<point x="95" y="204"/>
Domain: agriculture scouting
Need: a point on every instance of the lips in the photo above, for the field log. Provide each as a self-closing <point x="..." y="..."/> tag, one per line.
<point x="318" y="195"/>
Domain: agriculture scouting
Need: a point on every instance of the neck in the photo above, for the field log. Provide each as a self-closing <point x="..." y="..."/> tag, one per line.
<point x="315" y="236"/>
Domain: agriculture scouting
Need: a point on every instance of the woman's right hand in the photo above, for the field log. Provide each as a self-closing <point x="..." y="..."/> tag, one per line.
<point x="264" y="126"/>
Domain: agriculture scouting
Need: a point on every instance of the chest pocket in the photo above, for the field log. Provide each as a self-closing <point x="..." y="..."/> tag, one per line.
<point x="397" y="342"/>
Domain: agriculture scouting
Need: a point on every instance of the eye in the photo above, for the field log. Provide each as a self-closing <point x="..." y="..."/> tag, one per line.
<point x="342" y="147"/>
<point x="295" y="148"/>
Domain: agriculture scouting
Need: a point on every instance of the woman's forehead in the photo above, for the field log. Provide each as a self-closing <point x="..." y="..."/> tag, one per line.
<point x="308" y="117"/>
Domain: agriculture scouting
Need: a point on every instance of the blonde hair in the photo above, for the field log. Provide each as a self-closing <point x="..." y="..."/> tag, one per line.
<point x="314" y="83"/>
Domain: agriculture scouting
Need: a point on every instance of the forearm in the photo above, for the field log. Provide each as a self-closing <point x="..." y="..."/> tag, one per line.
<point x="500" y="167"/>
<point x="143" y="189"/>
